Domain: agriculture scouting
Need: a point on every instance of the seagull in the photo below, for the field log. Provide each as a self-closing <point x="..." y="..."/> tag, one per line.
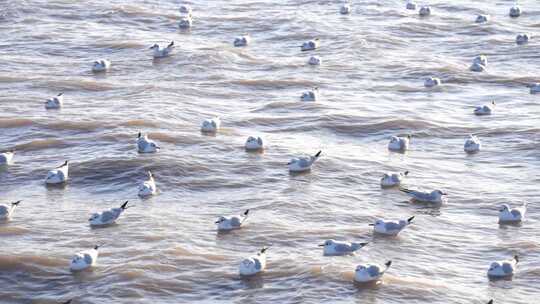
<point x="393" y="179"/>
<point x="512" y="215"/>
<point x="515" y="11"/>
<point x="254" y="264"/>
<point x="399" y="144"/>
<point x="107" y="217"/>
<point x="335" y="248"/>
<point x="55" y="102"/>
<point x="479" y="64"/>
<point x="310" y="45"/>
<point x="254" y="144"/>
<point x="242" y="40"/>
<point x="424" y="11"/>
<point x="484" y="110"/>
<point x="185" y="22"/>
<point x="391" y="227"/>
<point x="101" y="65"/>
<point x="345" y="9"/>
<point x="432" y="82"/>
<point x="6" y="157"/>
<point x="535" y="88"/>
<point x="501" y="269"/>
<point x="232" y="222"/>
<point x="522" y="39"/>
<point x="314" y="60"/>
<point x="58" y="175"/>
<point x="482" y="18"/>
<point x="302" y="164"/>
<point x="84" y="259"/>
<point x="472" y="144"/>
<point x="162" y="52"/>
<point x="211" y="125"/>
<point x="312" y="95"/>
<point x="185" y="9"/>
<point x="435" y="196"/>
<point x="148" y="187"/>
<point x="145" y="145"/>
<point x="370" y="273"/>
<point x="7" y="210"/>
<point x="410" y="5"/>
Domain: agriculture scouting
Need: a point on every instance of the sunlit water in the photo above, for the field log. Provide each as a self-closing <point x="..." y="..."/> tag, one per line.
<point x="166" y="249"/>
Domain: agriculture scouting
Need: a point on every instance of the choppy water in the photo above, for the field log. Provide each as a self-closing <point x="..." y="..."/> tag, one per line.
<point x="166" y="249"/>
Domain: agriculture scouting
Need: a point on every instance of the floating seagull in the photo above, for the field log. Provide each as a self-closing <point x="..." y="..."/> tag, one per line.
<point x="145" y="145"/>
<point x="501" y="269"/>
<point x="515" y="11"/>
<point x="101" y="65"/>
<point x="315" y="60"/>
<point x="522" y="39"/>
<point x="484" y="110"/>
<point x="482" y="18"/>
<point x="334" y="248"/>
<point x="303" y="164"/>
<point x="399" y="143"/>
<point x="254" y="264"/>
<point x="84" y="259"/>
<point x="312" y="95"/>
<point x="185" y="22"/>
<point x="432" y="82"/>
<point x="391" y="227"/>
<point x="185" y="9"/>
<point x="370" y="273"/>
<point x="232" y="222"/>
<point x="148" y="187"/>
<point x="479" y="63"/>
<point x="59" y="175"/>
<point x="393" y="179"/>
<point x="7" y="210"/>
<point x="55" y="102"/>
<point x="162" y="52"/>
<point x="242" y="40"/>
<point x="345" y="9"/>
<point x="424" y="11"/>
<point x="310" y="45"/>
<point x="435" y="196"/>
<point x="512" y="215"/>
<point x="107" y="217"/>
<point x="211" y="125"/>
<point x="6" y="157"/>
<point x="472" y="144"/>
<point x="535" y="88"/>
<point x="410" y="5"/>
<point x="254" y="144"/>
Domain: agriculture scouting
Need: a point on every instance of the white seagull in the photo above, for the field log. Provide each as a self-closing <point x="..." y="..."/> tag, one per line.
<point x="254" y="264"/>
<point x="535" y="88"/>
<point x="148" y="187"/>
<point x="254" y="144"/>
<point x="484" y="110"/>
<point x="145" y="145"/>
<point x="232" y="222"/>
<point x="370" y="272"/>
<point x="502" y="269"/>
<point x="472" y="144"/>
<point x="310" y="45"/>
<point x="84" y="259"/>
<point x="399" y="143"/>
<point x="185" y="22"/>
<point x="242" y="40"/>
<point x="162" y="52"/>
<point x="335" y="248"/>
<point x="101" y="65"/>
<point x="312" y="95"/>
<point x="6" y="211"/>
<point x="392" y="228"/>
<point x="55" y="102"/>
<point x="424" y="11"/>
<point x="302" y="164"/>
<point x="432" y="82"/>
<point x="410" y="5"/>
<point x="314" y="60"/>
<point x="515" y="11"/>
<point x="107" y="217"/>
<point x="211" y="125"/>
<point x="434" y="197"/>
<point x="58" y="175"/>
<point x="482" y="18"/>
<point x="392" y="179"/>
<point x="512" y="215"/>
<point x="345" y="9"/>
<point x="522" y="39"/>
<point x="6" y="157"/>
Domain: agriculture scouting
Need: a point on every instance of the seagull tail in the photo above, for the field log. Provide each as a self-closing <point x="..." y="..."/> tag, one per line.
<point x="516" y="258"/>
<point x="15" y="203"/>
<point x="388" y="264"/>
<point x="318" y="153"/>
<point x="405" y="190"/>
<point x="124" y="205"/>
<point x="406" y="173"/>
<point x="409" y="220"/>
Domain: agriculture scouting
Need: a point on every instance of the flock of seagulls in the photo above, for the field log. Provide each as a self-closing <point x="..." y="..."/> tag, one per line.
<point x="257" y="263"/>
